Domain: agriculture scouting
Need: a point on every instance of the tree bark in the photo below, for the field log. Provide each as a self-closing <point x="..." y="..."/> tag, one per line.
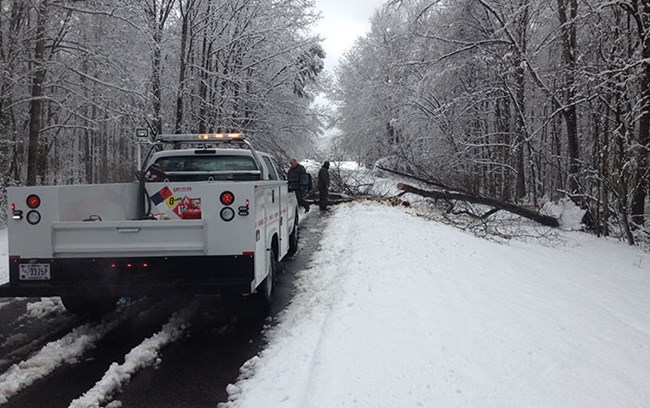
<point x="637" y="209"/>
<point x="520" y="99"/>
<point x="569" y="44"/>
<point x="206" y="51"/>
<point x="447" y="195"/>
<point x="155" y="81"/>
<point x="158" y="18"/>
<point x="185" y="13"/>
<point x="36" y="103"/>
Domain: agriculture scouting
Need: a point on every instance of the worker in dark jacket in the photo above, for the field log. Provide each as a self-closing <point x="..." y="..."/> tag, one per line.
<point x="293" y="175"/>
<point x="323" y="185"/>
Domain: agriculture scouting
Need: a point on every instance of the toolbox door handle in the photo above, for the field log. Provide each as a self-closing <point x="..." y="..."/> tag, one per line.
<point x="128" y="229"/>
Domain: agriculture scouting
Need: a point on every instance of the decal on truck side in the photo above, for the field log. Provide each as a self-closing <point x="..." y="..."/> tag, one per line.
<point x="185" y="207"/>
<point x="162" y="195"/>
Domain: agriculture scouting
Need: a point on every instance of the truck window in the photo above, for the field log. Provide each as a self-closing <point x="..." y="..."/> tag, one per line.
<point x="207" y="163"/>
<point x="272" y="174"/>
<point x="208" y="167"/>
<point x="281" y="174"/>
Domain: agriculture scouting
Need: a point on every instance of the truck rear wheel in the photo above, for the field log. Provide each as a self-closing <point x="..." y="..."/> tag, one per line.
<point x="263" y="297"/>
<point x="293" y="238"/>
<point x="89" y="306"/>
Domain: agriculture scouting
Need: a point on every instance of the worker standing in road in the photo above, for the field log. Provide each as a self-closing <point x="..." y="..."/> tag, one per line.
<point x="323" y="185"/>
<point x="293" y="175"/>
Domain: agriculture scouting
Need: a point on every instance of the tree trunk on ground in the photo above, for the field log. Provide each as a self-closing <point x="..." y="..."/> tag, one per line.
<point x="476" y="199"/>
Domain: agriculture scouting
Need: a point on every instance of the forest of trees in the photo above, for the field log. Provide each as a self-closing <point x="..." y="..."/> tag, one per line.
<point x="77" y="77"/>
<point x="520" y="100"/>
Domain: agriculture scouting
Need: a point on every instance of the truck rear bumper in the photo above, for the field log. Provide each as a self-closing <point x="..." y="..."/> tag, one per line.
<point x="134" y="276"/>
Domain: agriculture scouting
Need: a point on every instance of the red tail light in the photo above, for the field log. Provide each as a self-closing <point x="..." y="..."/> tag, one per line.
<point x="227" y="198"/>
<point x="33" y="201"/>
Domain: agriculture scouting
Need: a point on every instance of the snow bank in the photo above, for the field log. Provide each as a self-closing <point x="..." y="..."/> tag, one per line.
<point x="397" y="311"/>
<point x="45" y="307"/>
<point x="565" y="210"/>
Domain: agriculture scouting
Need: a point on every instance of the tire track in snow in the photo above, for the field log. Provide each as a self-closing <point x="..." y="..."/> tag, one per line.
<point x="66" y="350"/>
<point x="8" y="307"/>
<point x="141" y="356"/>
<point x="43" y="321"/>
<point x="5" y="302"/>
<point x="43" y="308"/>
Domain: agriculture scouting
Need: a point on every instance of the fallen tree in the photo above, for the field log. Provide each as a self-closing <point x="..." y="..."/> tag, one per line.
<point x="477" y="199"/>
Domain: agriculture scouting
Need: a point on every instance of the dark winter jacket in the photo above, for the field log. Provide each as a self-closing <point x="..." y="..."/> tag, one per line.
<point x="293" y="175"/>
<point x="323" y="179"/>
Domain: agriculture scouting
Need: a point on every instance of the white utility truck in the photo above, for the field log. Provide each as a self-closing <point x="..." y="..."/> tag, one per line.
<point x="201" y="220"/>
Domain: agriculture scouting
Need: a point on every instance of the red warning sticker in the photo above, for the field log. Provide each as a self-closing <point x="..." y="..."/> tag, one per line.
<point x="166" y="193"/>
<point x="188" y="208"/>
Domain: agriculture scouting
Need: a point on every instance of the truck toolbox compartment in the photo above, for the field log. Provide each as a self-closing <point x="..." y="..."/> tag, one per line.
<point x="72" y="239"/>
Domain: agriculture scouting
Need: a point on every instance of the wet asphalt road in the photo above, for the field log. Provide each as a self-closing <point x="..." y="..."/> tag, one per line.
<point x="194" y="371"/>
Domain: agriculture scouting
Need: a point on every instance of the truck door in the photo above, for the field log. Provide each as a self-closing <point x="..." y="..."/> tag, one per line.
<point x="288" y="212"/>
<point x="279" y="219"/>
<point x="260" y="233"/>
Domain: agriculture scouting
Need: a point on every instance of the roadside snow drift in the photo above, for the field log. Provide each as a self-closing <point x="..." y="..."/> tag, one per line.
<point x="398" y="311"/>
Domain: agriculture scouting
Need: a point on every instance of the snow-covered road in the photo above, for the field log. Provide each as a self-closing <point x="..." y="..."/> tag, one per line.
<point x="398" y="311"/>
<point x="157" y="353"/>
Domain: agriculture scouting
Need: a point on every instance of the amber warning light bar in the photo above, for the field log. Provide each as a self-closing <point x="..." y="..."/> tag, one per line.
<point x="202" y="137"/>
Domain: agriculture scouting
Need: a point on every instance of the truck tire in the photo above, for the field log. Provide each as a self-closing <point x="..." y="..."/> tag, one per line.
<point x="89" y="306"/>
<point x="293" y="238"/>
<point x="263" y="297"/>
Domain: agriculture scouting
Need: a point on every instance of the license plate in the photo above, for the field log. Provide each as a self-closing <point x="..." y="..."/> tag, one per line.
<point x="34" y="272"/>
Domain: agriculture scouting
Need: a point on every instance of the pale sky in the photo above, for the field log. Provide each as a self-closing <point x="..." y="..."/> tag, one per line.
<point x="342" y="22"/>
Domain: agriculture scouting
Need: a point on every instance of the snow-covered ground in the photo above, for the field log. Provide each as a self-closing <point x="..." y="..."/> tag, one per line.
<point x="396" y="310"/>
<point x="399" y="311"/>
